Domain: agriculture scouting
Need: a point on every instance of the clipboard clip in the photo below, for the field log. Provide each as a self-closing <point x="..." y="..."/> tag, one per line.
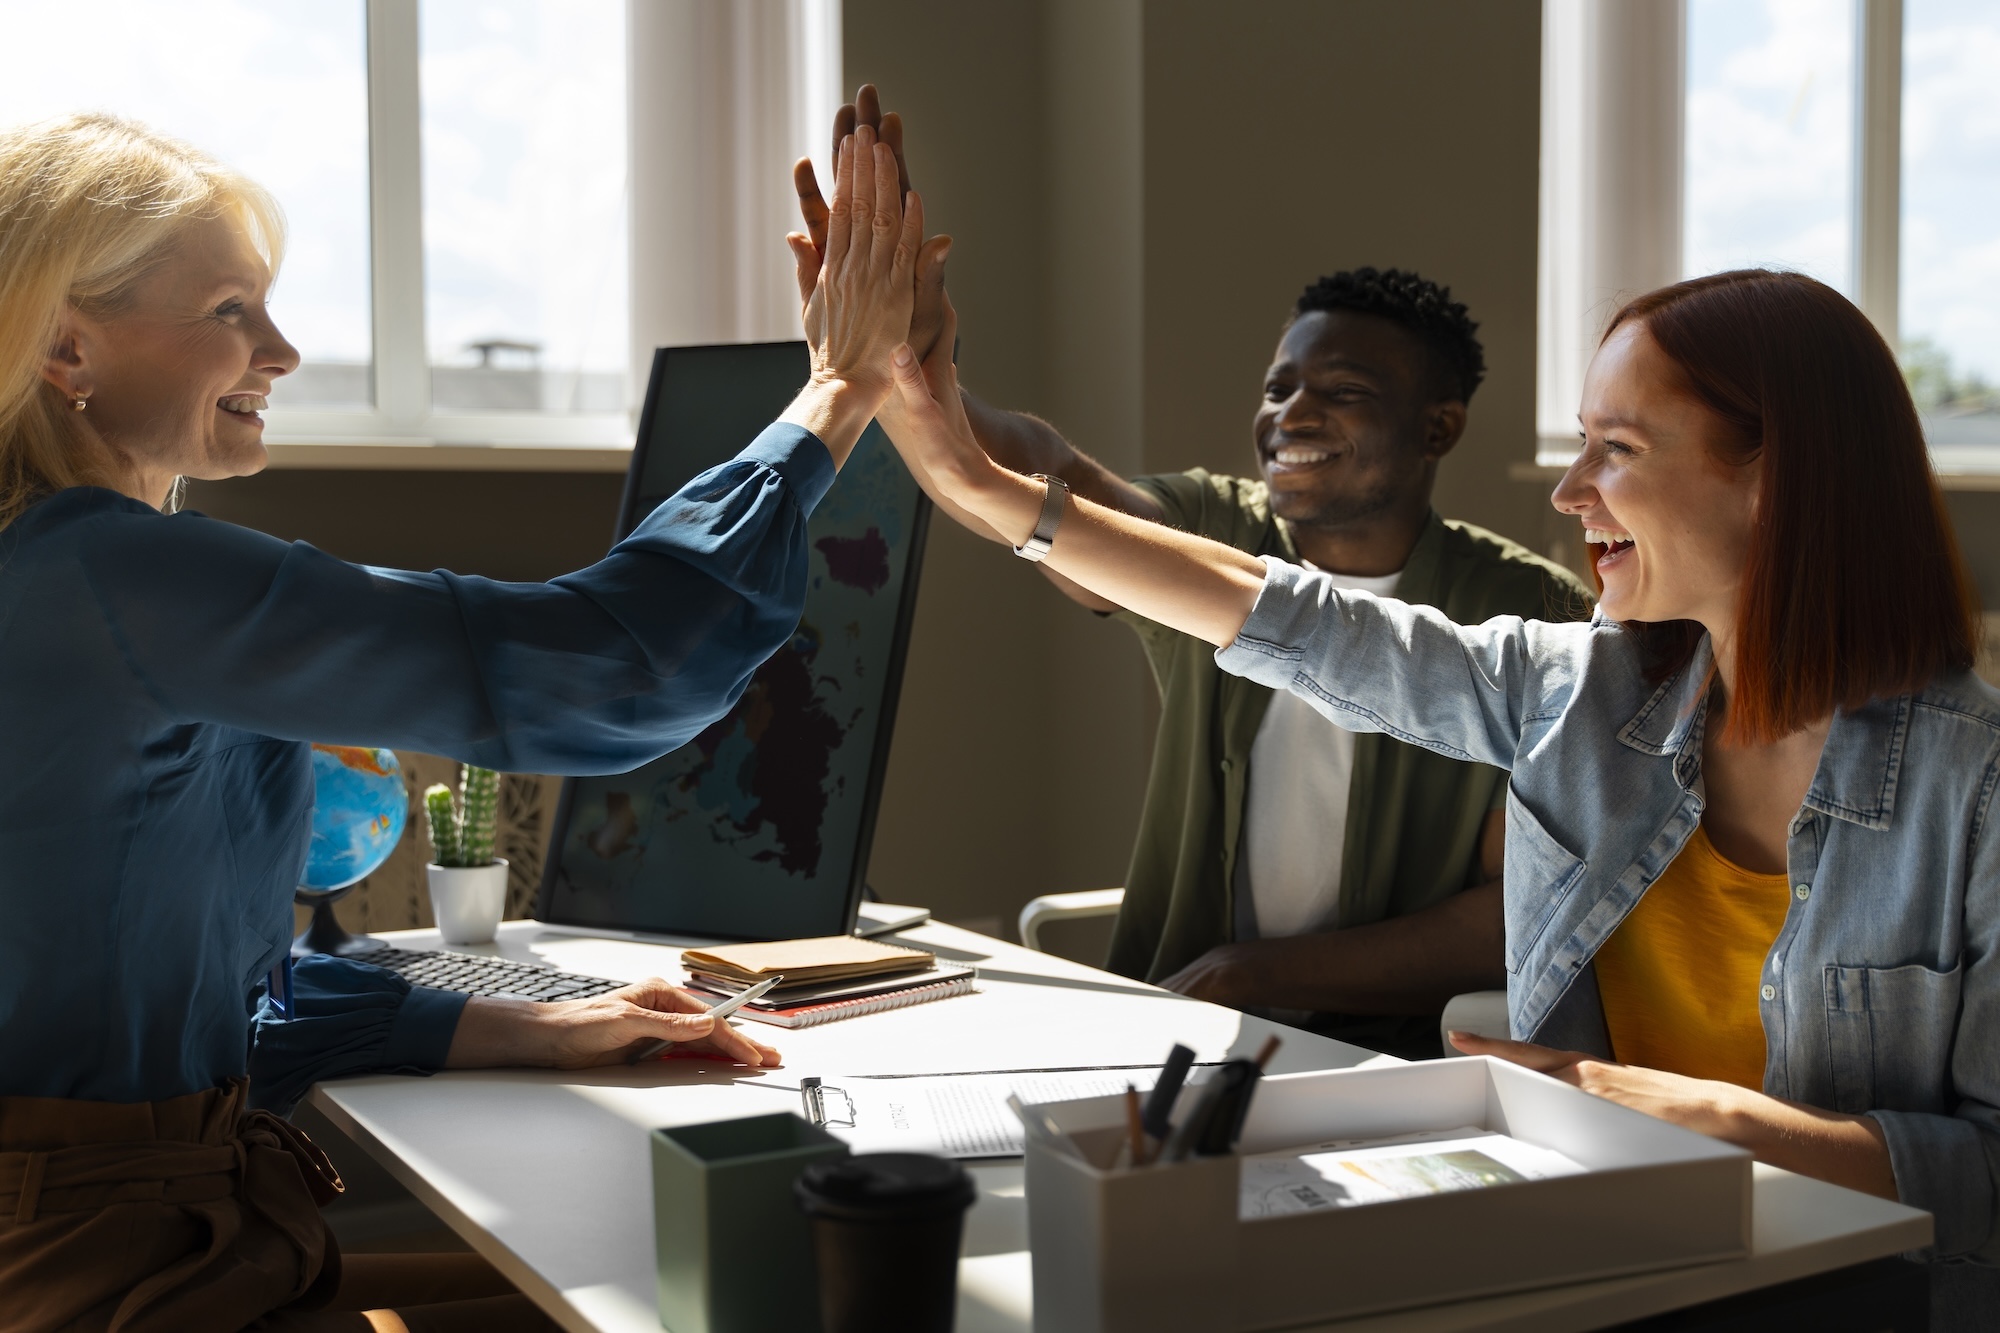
<point x="278" y="988"/>
<point x="814" y="1093"/>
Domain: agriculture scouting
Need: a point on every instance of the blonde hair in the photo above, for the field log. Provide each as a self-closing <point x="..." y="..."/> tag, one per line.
<point x="89" y="205"/>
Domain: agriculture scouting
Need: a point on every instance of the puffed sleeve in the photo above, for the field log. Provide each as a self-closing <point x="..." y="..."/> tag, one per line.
<point x="594" y="672"/>
<point x="348" y="1019"/>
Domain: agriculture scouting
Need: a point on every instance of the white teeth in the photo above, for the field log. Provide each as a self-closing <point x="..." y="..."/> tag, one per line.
<point x="1298" y="457"/>
<point x="244" y="402"/>
<point x="1605" y="536"/>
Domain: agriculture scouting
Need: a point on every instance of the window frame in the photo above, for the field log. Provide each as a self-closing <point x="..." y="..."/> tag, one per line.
<point x="1875" y="230"/>
<point x="402" y="430"/>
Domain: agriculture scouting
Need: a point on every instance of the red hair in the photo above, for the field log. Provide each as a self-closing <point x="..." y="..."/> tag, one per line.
<point x="1855" y="587"/>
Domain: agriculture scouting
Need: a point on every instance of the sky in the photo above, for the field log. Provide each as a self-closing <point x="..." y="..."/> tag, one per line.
<point x="1951" y="180"/>
<point x="523" y="147"/>
<point x="1770" y="163"/>
<point x="1769" y="122"/>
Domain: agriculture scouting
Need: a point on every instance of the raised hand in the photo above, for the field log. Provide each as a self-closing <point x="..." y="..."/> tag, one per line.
<point x="865" y="111"/>
<point x="857" y="295"/>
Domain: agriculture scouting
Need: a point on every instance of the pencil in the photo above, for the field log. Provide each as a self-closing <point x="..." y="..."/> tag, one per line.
<point x="1269" y="1049"/>
<point x="1134" y="1131"/>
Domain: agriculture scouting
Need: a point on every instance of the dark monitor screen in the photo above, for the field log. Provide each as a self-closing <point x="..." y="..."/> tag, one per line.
<point x="760" y="827"/>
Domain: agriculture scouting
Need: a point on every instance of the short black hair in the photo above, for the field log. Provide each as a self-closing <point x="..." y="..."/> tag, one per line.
<point x="1419" y="305"/>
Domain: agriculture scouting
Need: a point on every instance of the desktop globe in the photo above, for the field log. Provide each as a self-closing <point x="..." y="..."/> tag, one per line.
<point x="359" y="809"/>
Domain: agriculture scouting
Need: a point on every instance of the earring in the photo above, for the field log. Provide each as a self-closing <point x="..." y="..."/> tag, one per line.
<point x="82" y="401"/>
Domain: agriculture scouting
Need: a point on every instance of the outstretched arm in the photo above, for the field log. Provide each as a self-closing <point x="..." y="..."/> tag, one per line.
<point x="1186" y="582"/>
<point x="1017" y="440"/>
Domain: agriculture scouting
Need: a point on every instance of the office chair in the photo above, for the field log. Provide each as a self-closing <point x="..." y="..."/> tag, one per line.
<point x="1066" y="907"/>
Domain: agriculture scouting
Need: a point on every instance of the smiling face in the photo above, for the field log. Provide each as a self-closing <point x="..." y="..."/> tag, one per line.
<point x="176" y="376"/>
<point x="1351" y="426"/>
<point x="1669" y="524"/>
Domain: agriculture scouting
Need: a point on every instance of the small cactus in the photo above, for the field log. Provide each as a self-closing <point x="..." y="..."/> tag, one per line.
<point x="462" y="829"/>
<point x="481" y="803"/>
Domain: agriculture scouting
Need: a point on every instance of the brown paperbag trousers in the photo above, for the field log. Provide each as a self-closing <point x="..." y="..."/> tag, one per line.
<point x="191" y="1213"/>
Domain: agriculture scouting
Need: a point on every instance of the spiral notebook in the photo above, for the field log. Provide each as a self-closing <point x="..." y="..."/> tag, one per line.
<point x="809" y="1006"/>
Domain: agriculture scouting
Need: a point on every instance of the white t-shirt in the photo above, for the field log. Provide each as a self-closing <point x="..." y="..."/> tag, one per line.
<point x="1295" y="820"/>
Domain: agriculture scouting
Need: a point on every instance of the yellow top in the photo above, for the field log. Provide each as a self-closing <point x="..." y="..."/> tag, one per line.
<point x="1681" y="976"/>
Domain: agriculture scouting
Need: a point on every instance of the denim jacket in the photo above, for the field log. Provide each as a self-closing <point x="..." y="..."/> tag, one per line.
<point x="1881" y="993"/>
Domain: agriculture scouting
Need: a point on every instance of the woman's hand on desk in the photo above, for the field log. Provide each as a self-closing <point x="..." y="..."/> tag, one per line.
<point x="602" y="1030"/>
<point x="1826" y="1145"/>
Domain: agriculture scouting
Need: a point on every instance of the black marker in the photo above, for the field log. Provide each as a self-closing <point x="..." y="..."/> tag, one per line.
<point x="1160" y="1103"/>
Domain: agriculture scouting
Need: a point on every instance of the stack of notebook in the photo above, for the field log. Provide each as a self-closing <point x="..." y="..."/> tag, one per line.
<point x="826" y="979"/>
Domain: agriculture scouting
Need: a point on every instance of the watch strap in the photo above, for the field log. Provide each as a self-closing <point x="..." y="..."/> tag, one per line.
<point x="1036" y="548"/>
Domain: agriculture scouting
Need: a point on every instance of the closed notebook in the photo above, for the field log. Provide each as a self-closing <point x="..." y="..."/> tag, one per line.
<point x="824" y="992"/>
<point x="829" y="958"/>
<point x="897" y="993"/>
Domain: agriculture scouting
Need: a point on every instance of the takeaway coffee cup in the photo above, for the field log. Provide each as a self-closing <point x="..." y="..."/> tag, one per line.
<point x="886" y="1230"/>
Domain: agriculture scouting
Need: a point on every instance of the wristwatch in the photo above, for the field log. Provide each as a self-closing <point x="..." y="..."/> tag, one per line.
<point x="1036" y="548"/>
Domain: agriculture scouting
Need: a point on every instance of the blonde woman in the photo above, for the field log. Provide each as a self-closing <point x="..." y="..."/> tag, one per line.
<point x="161" y="675"/>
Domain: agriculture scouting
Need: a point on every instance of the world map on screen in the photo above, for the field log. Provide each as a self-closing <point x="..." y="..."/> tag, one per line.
<point x="759" y="817"/>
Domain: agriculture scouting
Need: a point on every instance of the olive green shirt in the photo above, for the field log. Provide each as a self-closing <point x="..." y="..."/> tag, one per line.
<point x="1414" y="818"/>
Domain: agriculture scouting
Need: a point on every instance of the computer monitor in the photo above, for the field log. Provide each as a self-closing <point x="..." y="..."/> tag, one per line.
<point x="760" y="827"/>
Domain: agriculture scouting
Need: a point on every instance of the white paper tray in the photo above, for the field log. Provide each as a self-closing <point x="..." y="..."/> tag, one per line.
<point x="1162" y="1247"/>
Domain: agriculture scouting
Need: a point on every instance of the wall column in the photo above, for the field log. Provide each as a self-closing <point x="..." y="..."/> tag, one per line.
<point x="1613" y="73"/>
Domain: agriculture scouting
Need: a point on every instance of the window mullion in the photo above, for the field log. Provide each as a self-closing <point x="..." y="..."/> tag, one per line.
<point x="1878" y="160"/>
<point x="395" y="176"/>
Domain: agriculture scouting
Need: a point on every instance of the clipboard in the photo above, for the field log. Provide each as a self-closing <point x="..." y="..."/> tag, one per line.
<point x="962" y="1115"/>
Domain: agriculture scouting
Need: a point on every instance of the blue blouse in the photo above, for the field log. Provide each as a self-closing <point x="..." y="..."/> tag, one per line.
<point x="161" y="677"/>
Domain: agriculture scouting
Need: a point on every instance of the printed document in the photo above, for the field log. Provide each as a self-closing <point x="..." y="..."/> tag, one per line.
<point x="959" y="1115"/>
<point x="1347" y="1174"/>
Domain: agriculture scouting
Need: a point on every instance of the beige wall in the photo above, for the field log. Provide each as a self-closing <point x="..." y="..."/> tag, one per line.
<point x="504" y="525"/>
<point x="1138" y="192"/>
<point x="1292" y="138"/>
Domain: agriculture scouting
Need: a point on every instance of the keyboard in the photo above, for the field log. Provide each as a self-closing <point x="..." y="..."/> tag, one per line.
<point x="473" y="974"/>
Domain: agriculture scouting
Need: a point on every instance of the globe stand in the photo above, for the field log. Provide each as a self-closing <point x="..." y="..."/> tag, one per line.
<point x="324" y="933"/>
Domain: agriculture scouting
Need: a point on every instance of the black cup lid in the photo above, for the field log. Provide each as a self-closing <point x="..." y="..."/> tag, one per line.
<point x="885" y="1187"/>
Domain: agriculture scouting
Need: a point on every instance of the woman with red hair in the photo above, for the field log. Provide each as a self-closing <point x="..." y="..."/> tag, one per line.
<point x="1752" y="869"/>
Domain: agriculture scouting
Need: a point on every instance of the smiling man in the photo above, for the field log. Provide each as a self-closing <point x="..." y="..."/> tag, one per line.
<point x="1346" y="881"/>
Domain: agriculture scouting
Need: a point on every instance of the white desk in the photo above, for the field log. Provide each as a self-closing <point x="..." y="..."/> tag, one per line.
<point x="549" y="1174"/>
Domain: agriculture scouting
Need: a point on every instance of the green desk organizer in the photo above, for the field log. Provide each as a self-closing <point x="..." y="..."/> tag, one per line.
<point x="735" y="1253"/>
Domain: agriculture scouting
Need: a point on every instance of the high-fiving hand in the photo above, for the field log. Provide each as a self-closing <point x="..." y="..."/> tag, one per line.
<point x="856" y="298"/>
<point x="927" y="317"/>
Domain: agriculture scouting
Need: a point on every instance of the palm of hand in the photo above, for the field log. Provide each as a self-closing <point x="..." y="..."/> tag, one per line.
<point x="857" y="292"/>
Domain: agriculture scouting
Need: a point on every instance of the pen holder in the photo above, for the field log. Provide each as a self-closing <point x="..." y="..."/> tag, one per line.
<point x="1171" y="1246"/>
<point x="1118" y="1249"/>
<point x="735" y="1255"/>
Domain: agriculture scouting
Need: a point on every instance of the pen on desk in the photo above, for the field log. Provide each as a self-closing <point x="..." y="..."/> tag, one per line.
<point x="718" y="1012"/>
<point x="1157" y="1118"/>
<point x="1135" y="1132"/>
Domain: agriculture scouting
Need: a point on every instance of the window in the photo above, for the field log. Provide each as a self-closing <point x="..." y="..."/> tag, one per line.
<point x="285" y="100"/>
<point x="1950" y="309"/>
<point x="457" y="275"/>
<point x="1855" y="140"/>
<point x="1769" y="142"/>
<point x="524" y="204"/>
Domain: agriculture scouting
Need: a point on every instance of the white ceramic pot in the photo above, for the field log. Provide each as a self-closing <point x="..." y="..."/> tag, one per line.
<point x="468" y="900"/>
